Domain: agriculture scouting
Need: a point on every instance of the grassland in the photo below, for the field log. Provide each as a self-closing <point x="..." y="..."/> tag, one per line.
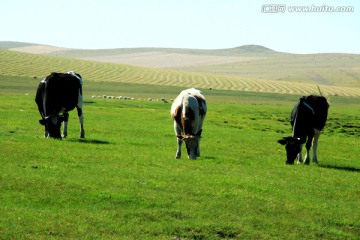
<point x="123" y="181"/>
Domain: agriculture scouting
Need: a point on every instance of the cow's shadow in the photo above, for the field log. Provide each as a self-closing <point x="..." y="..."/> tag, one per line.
<point x="91" y="141"/>
<point x="342" y="168"/>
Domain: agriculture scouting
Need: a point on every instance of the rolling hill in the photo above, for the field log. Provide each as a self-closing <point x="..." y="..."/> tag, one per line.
<point x="172" y="58"/>
<point x="246" y="68"/>
<point x="246" y="50"/>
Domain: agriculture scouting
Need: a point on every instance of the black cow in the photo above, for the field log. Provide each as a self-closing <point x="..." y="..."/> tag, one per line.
<point x="307" y="119"/>
<point x="56" y="95"/>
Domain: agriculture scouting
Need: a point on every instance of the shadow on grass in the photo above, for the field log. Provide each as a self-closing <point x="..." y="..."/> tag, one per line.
<point x="342" y="168"/>
<point x="92" y="141"/>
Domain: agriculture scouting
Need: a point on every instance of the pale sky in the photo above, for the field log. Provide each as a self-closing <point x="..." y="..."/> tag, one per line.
<point x="200" y="24"/>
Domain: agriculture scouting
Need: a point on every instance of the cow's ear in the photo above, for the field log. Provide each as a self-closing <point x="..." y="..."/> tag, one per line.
<point x="282" y="141"/>
<point x="42" y="121"/>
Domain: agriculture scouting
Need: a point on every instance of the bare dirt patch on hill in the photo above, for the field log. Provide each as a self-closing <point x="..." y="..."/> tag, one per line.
<point x="158" y="59"/>
<point x="38" y="49"/>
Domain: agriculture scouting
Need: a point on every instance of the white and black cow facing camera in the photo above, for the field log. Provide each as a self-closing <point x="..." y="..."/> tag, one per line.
<point x="188" y="112"/>
<point x="56" y="95"/>
<point x="307" y="119"/>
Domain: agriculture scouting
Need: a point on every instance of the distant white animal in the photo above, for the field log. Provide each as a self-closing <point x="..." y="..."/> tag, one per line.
<point x="188" y="112"/>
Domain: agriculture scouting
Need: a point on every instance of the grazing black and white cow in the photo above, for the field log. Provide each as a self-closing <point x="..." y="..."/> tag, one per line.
<point x="56" y="95"/>
<point x="308" y="118"/>
<point x="188" y="112"/>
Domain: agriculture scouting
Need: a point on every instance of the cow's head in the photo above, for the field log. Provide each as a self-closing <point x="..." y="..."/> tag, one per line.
<point x="192" y="144"/>
<point x="292" y="146"/>
<point x="52" y="126"/>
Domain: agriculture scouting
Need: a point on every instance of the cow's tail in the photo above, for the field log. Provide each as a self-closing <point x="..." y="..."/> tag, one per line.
<point x="319" y="90"/>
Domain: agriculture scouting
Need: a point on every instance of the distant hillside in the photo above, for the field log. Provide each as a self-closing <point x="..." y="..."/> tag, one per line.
<point x="246" y="50"/>
<point x="246" y="62"/>
<point x="30" y="47"/>
<point x="153" y="57"/>
<point x="333" y="69"/>
<point x="253" y="49"/>
<point x="9" y="45"/>
<point x="37" y="66"/>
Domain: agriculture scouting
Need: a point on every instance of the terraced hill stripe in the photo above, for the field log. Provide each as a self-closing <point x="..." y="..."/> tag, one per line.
<point x="32" y="65"/>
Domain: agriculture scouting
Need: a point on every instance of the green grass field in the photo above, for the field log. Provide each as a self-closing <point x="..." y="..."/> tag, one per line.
<point x="123" y="181"/>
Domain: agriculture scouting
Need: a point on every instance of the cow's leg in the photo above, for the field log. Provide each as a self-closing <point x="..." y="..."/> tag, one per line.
<point x="81" y="121"/>
<point x="300" y="160"/>
<point x="46" y="132"/>
<point x="178" y="151"/>
<point x="80" y="114"/>
<point x="315" y="145"/>
<point x="177" y="130"/>
<point x="66" y="119"/>
<point x="308" y="147"/>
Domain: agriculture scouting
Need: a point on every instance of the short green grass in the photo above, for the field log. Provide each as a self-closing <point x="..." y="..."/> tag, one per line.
<point x="123" y="182"/>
